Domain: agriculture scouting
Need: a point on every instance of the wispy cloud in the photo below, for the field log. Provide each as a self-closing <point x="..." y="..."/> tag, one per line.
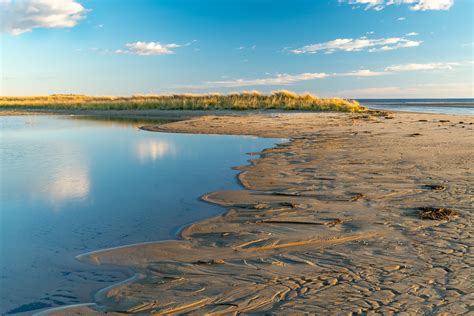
<point x="431" y="90"/>
<point x="22" y="16"/>
<point x="421" y="67"/>
<point x="415" y="5"/>
<point x="425" y="5"/>
<point x="363" y="73"/>
<point x="289" y="79"/>
<point x="278" y="80"/>
<point x="412" y="34"/>
<point x="371" y="92"/>
<point x="253" y="47"/>
<point x="410" y="67"/>
<point x="355" y="45"/>
<point x="150" y="48"/>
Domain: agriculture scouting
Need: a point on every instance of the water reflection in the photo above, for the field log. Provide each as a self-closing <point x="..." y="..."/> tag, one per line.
<point x="52" y="171"/>
<point x="69" y="184"/>
<point x="151" y="149"/>
<point x="72" y="186"/>
<point x="121" y="121"/>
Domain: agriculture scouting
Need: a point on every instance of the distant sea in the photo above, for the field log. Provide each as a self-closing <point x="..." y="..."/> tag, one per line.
<point x="445" y="106"/>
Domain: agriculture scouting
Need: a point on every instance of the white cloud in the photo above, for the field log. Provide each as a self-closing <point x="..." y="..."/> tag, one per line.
<point x="253" y="47"/>
<point x="354" y="45"/>
<point x="412" y="34"/>
<point x="20" y="16"/>
<point x="415" y="5"/>
<point x="363" y="73"/>
<point x="425" y="5"/>
<point x="421" y="67"/>
<point x="402" y="18"/>
<point x="287" y="79"/>
<point x="144" y="49"/>
<point x="279" y="80"/>
<point x="149" y="48"/>
<point x="430" y="90"/>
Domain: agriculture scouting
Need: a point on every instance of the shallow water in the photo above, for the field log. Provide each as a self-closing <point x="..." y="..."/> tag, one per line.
<point x="70" y="186"/>
<point x="440" y="106"/>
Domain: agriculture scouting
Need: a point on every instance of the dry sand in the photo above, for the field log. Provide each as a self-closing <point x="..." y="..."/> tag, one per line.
<point x="329" y="224"/>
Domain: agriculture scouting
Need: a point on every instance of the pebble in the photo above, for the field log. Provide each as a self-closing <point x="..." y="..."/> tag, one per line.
<point x="332" y="281"/>
<point x="391" y="268"/>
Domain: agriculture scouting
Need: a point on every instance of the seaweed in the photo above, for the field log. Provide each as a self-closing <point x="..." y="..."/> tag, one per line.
<point x="436" y="213"/>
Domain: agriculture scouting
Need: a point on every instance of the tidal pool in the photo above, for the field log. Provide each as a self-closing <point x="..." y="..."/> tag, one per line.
<point x="70" y="186"/>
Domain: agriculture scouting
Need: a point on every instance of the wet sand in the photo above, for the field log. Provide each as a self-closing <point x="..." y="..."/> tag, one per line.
<point x="328" y="222"/>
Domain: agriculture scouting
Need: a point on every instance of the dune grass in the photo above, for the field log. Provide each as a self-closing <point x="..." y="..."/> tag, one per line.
<point x="280" y="100"/>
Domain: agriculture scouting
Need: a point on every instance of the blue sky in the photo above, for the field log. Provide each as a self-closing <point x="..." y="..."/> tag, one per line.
<point x="346" y="48"/>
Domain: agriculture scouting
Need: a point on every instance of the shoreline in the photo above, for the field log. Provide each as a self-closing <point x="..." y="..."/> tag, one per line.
<point x="276" y="203"/>
<point x="84" y="308"/>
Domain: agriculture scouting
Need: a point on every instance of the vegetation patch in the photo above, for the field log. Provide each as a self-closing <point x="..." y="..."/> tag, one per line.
<point x="254" y="100"/>
<point x="436" y="213"/>
<point x="357" y="196"/>
<point x="435" y="187"/>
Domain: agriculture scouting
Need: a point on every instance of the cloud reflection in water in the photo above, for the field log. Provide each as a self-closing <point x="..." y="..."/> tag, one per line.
<point x="151" y="149"/>
<point x="69" y="184"/>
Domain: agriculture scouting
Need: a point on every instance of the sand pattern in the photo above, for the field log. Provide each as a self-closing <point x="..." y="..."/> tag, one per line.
<point x="329" y="222"/>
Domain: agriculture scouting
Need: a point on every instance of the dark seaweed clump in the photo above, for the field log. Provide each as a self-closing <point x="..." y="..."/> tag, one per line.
<point x="436" y="213"/>
<point x="435" y="187"/>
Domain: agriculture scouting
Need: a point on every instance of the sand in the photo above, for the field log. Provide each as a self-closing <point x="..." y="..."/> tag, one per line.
<point x="328" y="223"/>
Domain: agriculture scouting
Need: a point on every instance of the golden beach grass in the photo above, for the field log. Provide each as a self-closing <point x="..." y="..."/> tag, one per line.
<point x="253" y="100"/>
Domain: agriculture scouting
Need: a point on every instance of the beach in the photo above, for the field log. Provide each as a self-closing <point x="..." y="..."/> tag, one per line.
<point x="237" y="157"/>
<point x="356" y="213"/>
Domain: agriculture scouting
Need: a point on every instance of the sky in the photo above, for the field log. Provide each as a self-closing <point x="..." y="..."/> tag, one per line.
<point x="331" y="48"/>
